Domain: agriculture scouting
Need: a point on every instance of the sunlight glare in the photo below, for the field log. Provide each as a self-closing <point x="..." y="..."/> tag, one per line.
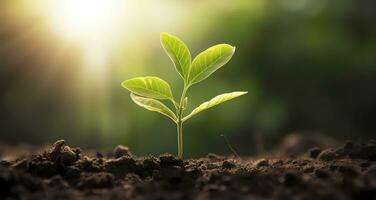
<point x="79" y="19"/>
<point x="93" y="25"/>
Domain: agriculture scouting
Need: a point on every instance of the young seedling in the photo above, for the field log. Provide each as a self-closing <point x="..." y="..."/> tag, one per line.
<point x="148" y="91"/>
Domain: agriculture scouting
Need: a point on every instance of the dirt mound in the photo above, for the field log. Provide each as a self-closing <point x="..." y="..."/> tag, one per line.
<point x="63" y="172"/>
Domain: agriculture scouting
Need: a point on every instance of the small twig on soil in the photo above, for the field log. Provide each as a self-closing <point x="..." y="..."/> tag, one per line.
<point x="229" y="146"/>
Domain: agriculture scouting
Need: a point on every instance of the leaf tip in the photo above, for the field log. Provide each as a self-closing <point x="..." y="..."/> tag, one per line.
<point x="124" y="84"/>
<point x="242" y="93"/>
<point x="164" y="35"/>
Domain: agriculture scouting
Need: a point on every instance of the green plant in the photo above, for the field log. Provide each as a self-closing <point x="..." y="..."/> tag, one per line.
<point x="147" y="91"/>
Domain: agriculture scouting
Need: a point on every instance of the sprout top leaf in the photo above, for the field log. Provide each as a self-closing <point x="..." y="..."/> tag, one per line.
<point x="210" y="61"/>
<point x="178" y="52"/>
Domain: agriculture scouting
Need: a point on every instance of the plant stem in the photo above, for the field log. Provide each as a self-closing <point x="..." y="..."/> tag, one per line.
<point x="180" y="139"/>
<point x="179" y="123"/>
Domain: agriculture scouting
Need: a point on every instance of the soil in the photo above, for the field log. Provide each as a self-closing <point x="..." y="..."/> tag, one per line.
<point x="63" y="172"/>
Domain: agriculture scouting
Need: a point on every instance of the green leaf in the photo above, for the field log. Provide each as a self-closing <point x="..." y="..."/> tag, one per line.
<point x="149" y="86"/>
<point x="209" y="61"/>
<point x="214" y="101"/>
<point x="178" y="52"/>
<point x="153" y="105"/>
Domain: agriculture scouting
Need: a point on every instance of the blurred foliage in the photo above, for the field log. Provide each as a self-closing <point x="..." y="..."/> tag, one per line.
<point x="309" y="65"/>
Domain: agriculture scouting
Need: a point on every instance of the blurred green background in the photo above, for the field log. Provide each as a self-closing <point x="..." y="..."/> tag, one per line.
<point x="309" y="66"/>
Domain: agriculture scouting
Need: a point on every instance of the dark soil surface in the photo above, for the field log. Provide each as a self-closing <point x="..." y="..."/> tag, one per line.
<point x="63" y="172"/>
